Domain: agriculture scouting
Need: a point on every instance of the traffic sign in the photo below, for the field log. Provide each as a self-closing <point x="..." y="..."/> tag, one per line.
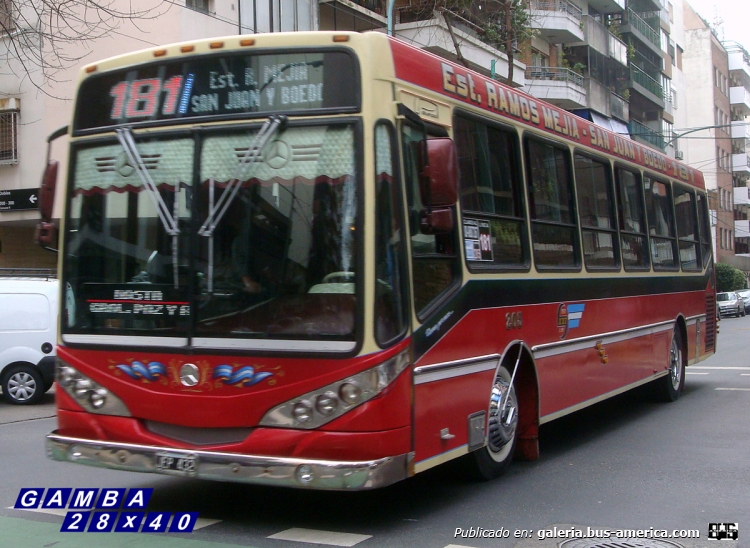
<point x="15" y="200"/>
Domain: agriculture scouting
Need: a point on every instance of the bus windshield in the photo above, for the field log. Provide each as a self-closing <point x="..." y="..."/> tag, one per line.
<point x="233" y="233"/>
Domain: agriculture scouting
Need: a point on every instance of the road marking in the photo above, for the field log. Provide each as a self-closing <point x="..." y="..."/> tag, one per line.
<point x="200" y="523"/>
<point x="694" y="373"/>
<point x="738" y="389"/>
<point x="314" y="536"/>
<point x="744" y="374"/>
<point x="458" y="546"/>
<point x="720" y="368"/>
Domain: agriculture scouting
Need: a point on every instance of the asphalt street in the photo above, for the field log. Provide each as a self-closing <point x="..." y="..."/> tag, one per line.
<point x="627" y="463"/>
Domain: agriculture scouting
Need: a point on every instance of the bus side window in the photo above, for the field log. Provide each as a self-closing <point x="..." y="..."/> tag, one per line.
<point x="687" y="229"/>
<point x="597" y="214"/>
<point x="660" y="223"/>
<point x="435" y="261"/>
<point x="554" y="227"/>
<point x="633" y="237"/>
<point x="704" y="228"/>
<point x="493" y="213"/>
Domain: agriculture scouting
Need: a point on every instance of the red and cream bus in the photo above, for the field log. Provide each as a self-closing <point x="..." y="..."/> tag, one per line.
<point x="333" y="261"/>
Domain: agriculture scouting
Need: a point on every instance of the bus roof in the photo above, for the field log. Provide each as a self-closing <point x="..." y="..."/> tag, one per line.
<point x="442" y="76"/>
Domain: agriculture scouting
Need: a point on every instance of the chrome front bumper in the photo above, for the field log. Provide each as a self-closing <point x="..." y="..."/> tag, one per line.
<point x="213" y="465"/>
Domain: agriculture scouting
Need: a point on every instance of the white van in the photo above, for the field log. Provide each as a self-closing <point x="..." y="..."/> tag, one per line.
<point x="28" y="331"/>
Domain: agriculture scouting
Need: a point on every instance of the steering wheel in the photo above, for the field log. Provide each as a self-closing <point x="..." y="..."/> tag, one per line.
<point x="338" y="277"/>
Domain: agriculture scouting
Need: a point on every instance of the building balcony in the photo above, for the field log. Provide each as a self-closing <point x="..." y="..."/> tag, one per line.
<point x="646" y="86"/>
<point x="560" y="86"/>
<point x="599" y="38"/>
<point x="634" y="24"/>
<point x="607" y="6"/>
<point x="741" y="229"/>
<point x="741" y="165"/>
<point x="356" y="15"/>
<point x="601" y="99"/>
<point x="741" y="134"/>
<point x="739" y="61"/>
<point x="556" y="21"/>
<point x="739" y="100"/>
<point x="433" y="35"/>
<point x="646" y="135"/>
<point x="741" y="196"/>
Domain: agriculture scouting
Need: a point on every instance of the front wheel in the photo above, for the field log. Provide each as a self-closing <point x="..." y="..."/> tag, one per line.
<point x="669" y="387"/>
<point x="492" y="460"/>
<point x="22" y="385"/>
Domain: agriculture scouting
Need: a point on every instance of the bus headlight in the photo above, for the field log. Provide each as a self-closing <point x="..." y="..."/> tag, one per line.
<point x="332" y="401"/>
<point x="90" y="395"/>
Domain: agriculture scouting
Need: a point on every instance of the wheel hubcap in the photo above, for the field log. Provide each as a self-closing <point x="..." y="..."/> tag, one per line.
<point x="502" y="422"/>
<point x="21" y="386"/>
<point x="675" y="365"/>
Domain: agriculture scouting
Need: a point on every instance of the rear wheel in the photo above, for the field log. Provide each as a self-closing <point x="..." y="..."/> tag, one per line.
<point x="669" y="387"/>
<point x="22" y="385"/>
<point x="492" y="460"/>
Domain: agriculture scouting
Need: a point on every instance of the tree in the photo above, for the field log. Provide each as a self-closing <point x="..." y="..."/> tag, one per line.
<point x="42" y="38"/>
<point x="507" y="26"/>
<point x="729" y="278"/>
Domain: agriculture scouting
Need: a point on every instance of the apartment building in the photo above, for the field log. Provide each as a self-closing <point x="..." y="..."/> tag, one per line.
<point x="706" y="70"/>
<point x="738" y="62"/>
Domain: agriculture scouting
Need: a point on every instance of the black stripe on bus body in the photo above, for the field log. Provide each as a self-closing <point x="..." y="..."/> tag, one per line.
<point x="519" y="292"/>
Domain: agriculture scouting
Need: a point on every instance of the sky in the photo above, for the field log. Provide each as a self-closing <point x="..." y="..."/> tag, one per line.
<point x="735" y="15"/>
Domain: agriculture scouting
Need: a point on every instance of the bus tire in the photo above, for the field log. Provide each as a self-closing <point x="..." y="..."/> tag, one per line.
<point x="669" y="387"/>
<point x="493" y="459"/>
<point x="22" y="384"/>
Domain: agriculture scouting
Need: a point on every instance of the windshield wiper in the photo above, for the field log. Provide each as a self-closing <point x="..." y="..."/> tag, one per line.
<point x="216" y="211"/>
<point x="167" y="218"/>
<point x="252" y="155"/>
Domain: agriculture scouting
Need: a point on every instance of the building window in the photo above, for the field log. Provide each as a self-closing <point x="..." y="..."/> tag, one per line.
<point x="8" y="137"/>
<point x="198" y="5"/>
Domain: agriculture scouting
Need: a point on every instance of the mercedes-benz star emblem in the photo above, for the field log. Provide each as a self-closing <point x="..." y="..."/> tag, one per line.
<point x="189" y="374"/>
<point x="277" y="155"/>
<point x="122" y="165"/>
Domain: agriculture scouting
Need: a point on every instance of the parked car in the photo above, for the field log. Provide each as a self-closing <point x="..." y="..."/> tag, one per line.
<point x="730" y="304"/>
<point x="28" y="329"/>
<point x="744" y="294"/>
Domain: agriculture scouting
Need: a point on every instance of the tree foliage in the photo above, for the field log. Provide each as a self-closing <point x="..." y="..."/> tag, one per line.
<point x="43" y="38"/>
<point x="729" y="278"/>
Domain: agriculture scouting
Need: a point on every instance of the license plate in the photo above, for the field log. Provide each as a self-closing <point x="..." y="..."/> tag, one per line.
<point x="183" y="465"/>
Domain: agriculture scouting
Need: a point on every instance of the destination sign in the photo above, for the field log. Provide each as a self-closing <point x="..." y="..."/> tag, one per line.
<point x="230" y="84"/>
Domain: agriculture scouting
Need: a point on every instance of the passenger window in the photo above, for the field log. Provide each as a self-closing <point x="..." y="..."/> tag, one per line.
<point x="633" y="238"/>
<point x="435" y="260"/>
<point x="494" y="222"/>
<point x="687" y="229"/>
<point x="660" y="223"/>
<point x="553" y="216"/>
<point x="704" y="228"/>
<point x="597" y="214"/>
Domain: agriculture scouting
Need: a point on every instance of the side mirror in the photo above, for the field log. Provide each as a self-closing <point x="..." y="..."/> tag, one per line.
<point x="47" y="190"/>
<point x="46" y="235"/>
<point x="439" y="188"/>
<point x="46" y="231"/>
<point x="437" y="221"/>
